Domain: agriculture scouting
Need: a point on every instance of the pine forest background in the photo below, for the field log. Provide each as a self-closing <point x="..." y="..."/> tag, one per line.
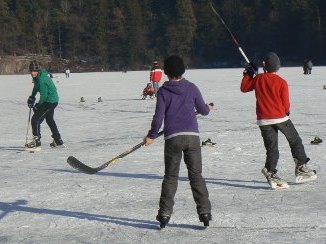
<point x="129" y="34"/>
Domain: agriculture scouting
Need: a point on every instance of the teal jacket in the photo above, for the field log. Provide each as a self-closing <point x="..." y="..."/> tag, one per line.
<point x="45" y="86"/>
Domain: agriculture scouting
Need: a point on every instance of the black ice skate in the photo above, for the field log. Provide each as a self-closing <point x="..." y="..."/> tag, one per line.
<point x="164" y="220"/>
<point x="205" y="218"/>
<point x="34" y="145"/>
<point x="208" y="142"/>
<point x="316" y="140"/>
<point x="58" y="144"/>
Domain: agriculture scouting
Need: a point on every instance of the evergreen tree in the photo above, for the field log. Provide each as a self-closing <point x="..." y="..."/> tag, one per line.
<point x="181" y="33"/>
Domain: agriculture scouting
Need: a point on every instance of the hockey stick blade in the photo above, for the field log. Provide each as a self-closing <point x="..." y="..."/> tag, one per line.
<point x="77" y="164"/>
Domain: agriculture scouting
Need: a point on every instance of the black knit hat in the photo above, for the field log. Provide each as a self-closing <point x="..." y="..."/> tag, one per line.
<point x="34" y="66"/>
<point x="174" y="66"/>
<point x="272" y="62"/>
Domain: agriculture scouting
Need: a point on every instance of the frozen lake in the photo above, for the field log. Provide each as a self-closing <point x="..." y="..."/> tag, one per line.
<point x="44" y="200"/>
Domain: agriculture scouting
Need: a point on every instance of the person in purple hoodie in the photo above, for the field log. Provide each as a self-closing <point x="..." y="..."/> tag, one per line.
<point x="178" y="102"/>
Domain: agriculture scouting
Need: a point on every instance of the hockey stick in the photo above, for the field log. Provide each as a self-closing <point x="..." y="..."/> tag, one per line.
<point x="75" y="163"/>
<point x="227" y="28"/>
<point x="28" y="122"/>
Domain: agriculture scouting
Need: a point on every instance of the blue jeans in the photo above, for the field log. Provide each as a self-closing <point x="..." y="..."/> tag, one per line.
<point x="156" y="86"/>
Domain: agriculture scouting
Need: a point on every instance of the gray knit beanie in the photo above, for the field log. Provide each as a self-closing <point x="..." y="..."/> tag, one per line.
<point x="272" y="62"/>
<point x="34" y="66"/>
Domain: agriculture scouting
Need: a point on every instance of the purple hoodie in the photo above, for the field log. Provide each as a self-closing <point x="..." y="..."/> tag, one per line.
<point x="177" y="103"/>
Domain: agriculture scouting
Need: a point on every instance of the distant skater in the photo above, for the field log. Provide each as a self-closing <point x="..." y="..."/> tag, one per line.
<point x="156" y="76"/>
<point x="305" y="67"/>
<point x="309" y="65"/>
<point x="67" y="72"/>
<point x="273" y="109"/>
<point x="178" y="101"/>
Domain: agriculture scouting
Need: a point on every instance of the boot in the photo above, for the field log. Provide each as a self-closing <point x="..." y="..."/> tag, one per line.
<point x="205" y="218"/>
<point x="164" y="220"/>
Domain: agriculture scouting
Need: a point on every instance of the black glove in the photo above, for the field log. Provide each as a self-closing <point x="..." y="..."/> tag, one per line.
<point x="31" y="101"/>
<point x="288" y="113"/>
<point x="250" y="69"/>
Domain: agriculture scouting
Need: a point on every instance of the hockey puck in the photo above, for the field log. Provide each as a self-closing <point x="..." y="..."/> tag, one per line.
<point x="31" y="151"/>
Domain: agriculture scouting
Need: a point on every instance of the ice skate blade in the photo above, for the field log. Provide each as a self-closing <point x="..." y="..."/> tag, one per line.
<point x="162" y="226"/>
<point x="276" y="186"/>
<point x="208" y="145"/>
<point x="59" y="146"/>
<point x="302" y="179"/>
<point x="32" y="149"/>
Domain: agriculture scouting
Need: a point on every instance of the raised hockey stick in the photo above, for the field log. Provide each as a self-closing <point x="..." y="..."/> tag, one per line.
<point x="227" y="28"/>
<point x="75" y="163"/>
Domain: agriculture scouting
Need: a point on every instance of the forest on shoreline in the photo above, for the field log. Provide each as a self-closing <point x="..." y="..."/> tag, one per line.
<point x="130" y="34"/>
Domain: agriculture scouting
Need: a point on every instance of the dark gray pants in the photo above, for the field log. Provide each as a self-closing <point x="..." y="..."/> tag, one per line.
<point x="190" y="147"/>
<point x="270" y="136"/>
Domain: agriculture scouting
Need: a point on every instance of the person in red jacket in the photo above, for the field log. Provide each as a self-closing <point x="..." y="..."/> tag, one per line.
<point x="156" y="76"/>
<point x="273" y="110"/>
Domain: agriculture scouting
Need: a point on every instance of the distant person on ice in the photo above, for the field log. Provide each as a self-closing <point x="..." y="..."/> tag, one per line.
<point x="273" y="109"/>
<point x="156" y="76"/>
<point x="67" y="72"/>
<point x="178" y="101"/>
<point x="148" y="91"/>
<point x="44" y="109"/>
<point x="307" y="67"/>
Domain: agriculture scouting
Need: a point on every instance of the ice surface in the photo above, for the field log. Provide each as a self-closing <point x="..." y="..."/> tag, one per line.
<point x="44" y="200"/>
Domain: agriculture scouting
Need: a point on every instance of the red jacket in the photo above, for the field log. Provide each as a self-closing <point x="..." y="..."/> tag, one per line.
<point x="272" y="95"/>
<point x="156" y="74"/>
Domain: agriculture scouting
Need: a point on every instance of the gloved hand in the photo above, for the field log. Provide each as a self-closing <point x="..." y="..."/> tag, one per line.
<point x="31" y="101"/>
<point x="250" y="69"/>
<point x="288" y="113"/>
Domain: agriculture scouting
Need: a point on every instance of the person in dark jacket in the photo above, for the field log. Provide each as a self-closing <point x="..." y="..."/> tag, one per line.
<point x="273" y="110"/>
<point x="309" y="67"/>
<point x="178" y="102"/>
<point x="44" y="109"/>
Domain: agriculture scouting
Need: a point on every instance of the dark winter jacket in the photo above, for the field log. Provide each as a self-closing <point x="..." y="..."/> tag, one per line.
<point x="45" y="86"/>
<point x="177" y="104"/>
